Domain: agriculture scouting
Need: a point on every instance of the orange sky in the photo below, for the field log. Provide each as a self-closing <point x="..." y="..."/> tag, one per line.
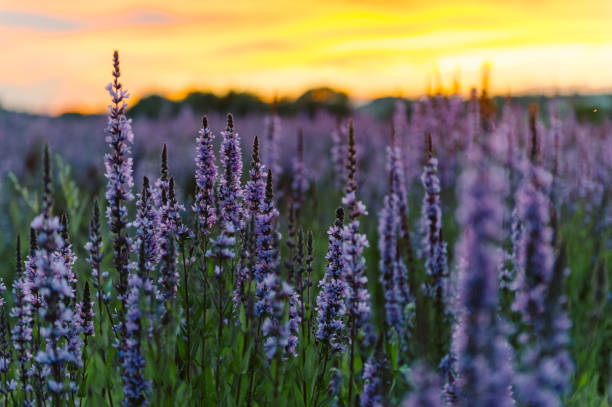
<point x="56" y="54"/>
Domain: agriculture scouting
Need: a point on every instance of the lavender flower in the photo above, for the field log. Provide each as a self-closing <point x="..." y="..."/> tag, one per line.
<point x="390" y="225"/>
<point x="375" y="380"/>
<point x="6" y="357"/>
<point x="255" y="189"/>
<point x="170" y="214"/>
<point x="546" y="365"/>
<point x="21" y="335"/>
<point x="266" y="250"/>
<point x="118" y="162"/>
<point x="243" y="274"/>
<point x="147" y="225"/>
<point x="338" y="155"/>
<point x="270" y="144"/>
<point x="535" y="251"/>
<point x="387" y="244"/>
<point x="426" y="387"/>
<point x="86" y="313"/>
<point x="354" y="242"/>
<point x="431" y="227"/>
<point x="483" y="359"/>
<point x="135" y="387"/>
<point x="230" y="194"/>
<point x="331" y="308"/>
<point x="54" y="287"/>
<point x="67" y="253"/>
<point x="168" y="274"/>
<point x="31" y="274"/>
<point x="162" y="184"/>
<point x="280" y="326"/>
<point x="206" y="177"/>
<point x="299" y="182"/>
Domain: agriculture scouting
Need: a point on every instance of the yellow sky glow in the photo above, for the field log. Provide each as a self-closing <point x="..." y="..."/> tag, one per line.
<point x="56" y="54"/>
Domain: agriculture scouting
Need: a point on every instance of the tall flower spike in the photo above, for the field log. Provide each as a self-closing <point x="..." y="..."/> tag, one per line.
<point x="338" y="154"/>
<point x="299" y="182"/>
<point x="281" y="323"/>
<point x="266" y="250"/>
<point x="118" y="162"/>
<point x="87" y="312"/>
<point x="483" y="355"/>
<point x="135" y="387"/>
<point x="539" y="297"/>
<point x="256" y="185"/>
<point x="431" y="225"/>
<point x="147" y="225"/>
<point x="426" y="387"/>
<point x="230" y="194"/>
<point x="46" y="193"/>
<point x="168" y="274"/>
<point x="94" y="249"/>
<point x="270" y="144"/>
<point x="67" y="253"/>
<point x="206" y="177"/>
<point x="6" y="356"/>
<point x="376" y="381"/>
<point x="21" y="335"/>
<point x="535" y="251"/>
<point x="53" y="286"/>
<point x="388" y="223"/>
<point x="171" y="214"/>
<point x="331" y="308"/>
<point x="354" y="243"/>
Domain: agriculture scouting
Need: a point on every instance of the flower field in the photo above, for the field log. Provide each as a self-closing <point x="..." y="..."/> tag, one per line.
<point x="455" y="254"/>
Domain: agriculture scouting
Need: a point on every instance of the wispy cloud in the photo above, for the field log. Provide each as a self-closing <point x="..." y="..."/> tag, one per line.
<point x="37" y="21"/>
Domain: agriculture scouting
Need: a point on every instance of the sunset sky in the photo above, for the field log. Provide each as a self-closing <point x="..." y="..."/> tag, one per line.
<point x="56" y="55"/>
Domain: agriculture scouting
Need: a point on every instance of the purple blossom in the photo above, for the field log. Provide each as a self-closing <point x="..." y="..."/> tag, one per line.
<point x="299" y="181"/>
<point x="483" y="356"/>
<point x="168" y="274"/>
<point x="86" y="312"/>
<point x="255" y="189"/>
<point x="353" y="245"/>
<point x="230" y="194"/>
<point x="331" y="308"/>
<point x="170" y="214"/>
<point x="426" y="387"/>
<point x="270" y="145"/>
<point x="135" y="387"/>
<point x="53" y="285"/>
<point x="375" y="381"/>
<point x="66" y="252"/>
<point x="118" y="162"/>
<point x="431" y="227"/>
<point x="21" y="334"/>
<point x="390" y="229"/>
<point x="282" y="321"/>
<point x="266" y="250"/>
<point x="535" y="253"/>
<point x="148" y="229"/>
<point x="338" y="154"/>
<point x="206" y="177"/>
<point x="545" y="364"/>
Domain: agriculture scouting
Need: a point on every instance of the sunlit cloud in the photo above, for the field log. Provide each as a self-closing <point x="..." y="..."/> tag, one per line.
<point x="368" y="48"/>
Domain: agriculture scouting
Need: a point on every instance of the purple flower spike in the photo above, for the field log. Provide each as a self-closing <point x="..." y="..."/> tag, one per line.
<point x="230" y="194"/>
<point x="206" y="177"/>
<point x="118" y="162"/>
<point x="426" y="387"/>
<point x="483" y="356"/>
<point x="331" y="308"/>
